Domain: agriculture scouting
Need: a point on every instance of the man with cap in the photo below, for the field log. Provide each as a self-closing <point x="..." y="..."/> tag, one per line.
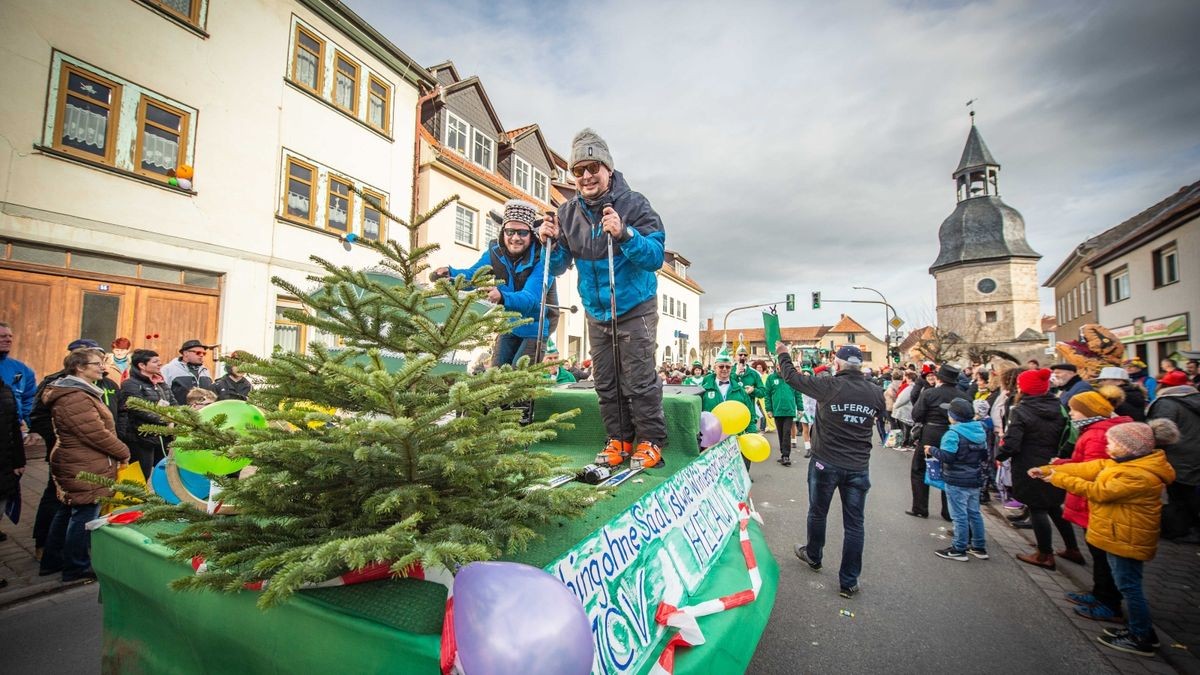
<point x="1134" y="403"/>
<point x="962" y="451"/>
<point x="696" y="374"/>
<point x="607" y="212"/>
<point x="846" y="408"/>
<point x="188" y="371"/>
<point x="557" y="373"/>
<point x="1065" y="376"/>
<point x="722" y="385"/>
<point x="18" y="376"/>
<point x="517" y="265"/>
<point x="929" y="413"/>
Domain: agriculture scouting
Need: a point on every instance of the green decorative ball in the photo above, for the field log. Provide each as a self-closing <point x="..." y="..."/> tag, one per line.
<point x="239" y="416"/>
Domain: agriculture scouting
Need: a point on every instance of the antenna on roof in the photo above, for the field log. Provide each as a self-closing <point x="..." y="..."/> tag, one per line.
<point x="971" y="106"/>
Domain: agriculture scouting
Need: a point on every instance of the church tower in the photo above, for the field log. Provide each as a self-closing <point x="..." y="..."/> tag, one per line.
<point x="986" y="273"/>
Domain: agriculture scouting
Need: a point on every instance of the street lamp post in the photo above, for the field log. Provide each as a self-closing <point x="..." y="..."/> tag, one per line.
<point x="887" y="336"/>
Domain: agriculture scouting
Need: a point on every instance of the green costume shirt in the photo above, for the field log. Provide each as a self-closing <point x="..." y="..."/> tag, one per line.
<point x="750" y="378"/>
<point x="564" y="375"/>
<point x="782" y="400"/>
<point x="712" y="396"/>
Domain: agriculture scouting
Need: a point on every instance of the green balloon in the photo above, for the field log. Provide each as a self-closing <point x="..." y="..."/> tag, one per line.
<point x="239" y="416"/>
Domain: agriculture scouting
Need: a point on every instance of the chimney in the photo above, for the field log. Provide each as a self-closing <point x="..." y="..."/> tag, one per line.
<point x="710" y="323"/>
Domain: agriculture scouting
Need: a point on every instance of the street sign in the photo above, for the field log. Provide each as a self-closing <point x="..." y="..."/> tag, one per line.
<point x="896" y="322"/>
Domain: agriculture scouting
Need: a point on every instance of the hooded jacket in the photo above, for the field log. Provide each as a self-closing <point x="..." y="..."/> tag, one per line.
<point x="182" y="378"/>
<point x="846" y="408"/>
<point x="130" y="420"/>
<point x="635" y="258"/>
<point x="962" y="451"/>
<point x="1181" y="405"/>
<point x="1031" y="438"/>
<point x="1091" y="445"/>
<point x="1124" y="500"/>
<point x="520" y="284"/>
<point x="1075" y="385"/>
<point x="87" y="440"/>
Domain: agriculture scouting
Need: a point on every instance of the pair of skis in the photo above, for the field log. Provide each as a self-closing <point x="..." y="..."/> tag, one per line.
<point x="612" y="481"/>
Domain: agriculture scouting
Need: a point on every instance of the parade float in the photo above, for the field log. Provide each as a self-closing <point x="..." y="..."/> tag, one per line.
<point x="394" y="515"/>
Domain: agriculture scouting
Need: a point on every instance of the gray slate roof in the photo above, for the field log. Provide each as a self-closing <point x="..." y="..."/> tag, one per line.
<point x="975" y="153"/>
<point x="982" y="228"/>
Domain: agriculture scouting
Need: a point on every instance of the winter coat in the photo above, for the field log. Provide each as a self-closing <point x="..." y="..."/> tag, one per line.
<point x="928" y="411"/>
<point x="12" y="445"/>
<point x="20" y="378"/>
<point x="750" y="378"/>
<point x="228" y="388"/>
<point x="563" y="376"/>
<point x="1134" y="404"/>
<point x="1075" y="385"/>
<point x="846" y="408"/>
<point x="782" y="400"/>
<point x="520" y="284"/>
<point x="962" y="451"/>
<point x="1142" y="378"/>
<point x="1090" y="445"/>
<point x="1124" y="500"/>
<point x="182" y="378"/>
<point x="1031" y="438"/>
<point x="635" y="259"/>
<point x="130" y="420"/>
<point x="712" y="395"/>
<point x="890" y="394"/>
<point x="902" y="410"/>
<point x="1181" y="405"/>
<point x="87" y="440"/>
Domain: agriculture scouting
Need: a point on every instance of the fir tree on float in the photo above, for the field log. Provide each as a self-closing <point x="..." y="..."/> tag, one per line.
<point x="416" y="464"/>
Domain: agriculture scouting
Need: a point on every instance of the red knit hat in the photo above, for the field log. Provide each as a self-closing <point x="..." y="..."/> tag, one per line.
<point x="1034" y="382"/>
<point x="1175" y="378"/>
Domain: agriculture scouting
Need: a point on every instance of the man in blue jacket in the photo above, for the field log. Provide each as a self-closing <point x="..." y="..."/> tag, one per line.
<point x="605" y="207"/>
<point x="516" y="262"/>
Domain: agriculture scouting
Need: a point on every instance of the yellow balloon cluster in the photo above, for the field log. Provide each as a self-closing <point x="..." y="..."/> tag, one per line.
<point x="733" y="415"/>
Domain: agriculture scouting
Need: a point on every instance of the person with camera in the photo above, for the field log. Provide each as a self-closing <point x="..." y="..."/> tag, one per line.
<point x="846" y="406"/>
<point x="516" y="262"/>
<point x="616" y="240"/>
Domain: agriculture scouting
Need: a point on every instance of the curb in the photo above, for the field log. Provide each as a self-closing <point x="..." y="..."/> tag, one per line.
<point x="16" y="596"/>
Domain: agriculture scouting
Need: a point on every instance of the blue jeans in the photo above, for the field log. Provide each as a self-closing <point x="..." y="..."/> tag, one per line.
<point x="68" y="543"/>
<point x="1127" y="572"/>
<point x="823" y="480"/>
<point x="509" y="348"/>
<point x="964" y="511"/>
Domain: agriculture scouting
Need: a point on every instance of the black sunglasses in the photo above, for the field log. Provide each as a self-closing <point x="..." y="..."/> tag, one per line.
<point x="579" y="169"/>
<point x="510" y="232"/>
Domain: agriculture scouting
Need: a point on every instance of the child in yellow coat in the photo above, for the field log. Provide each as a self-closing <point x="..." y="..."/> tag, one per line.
<point x="1125" y="505"/>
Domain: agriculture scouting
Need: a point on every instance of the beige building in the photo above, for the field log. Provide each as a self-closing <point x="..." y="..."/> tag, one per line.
<point x="986" y="273"/>
<point x="846" y="331"/>
<point x="289" y="112"/>
<point x="1148" y="281"/>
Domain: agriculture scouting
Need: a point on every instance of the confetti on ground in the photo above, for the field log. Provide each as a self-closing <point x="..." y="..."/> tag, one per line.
<point x="639" y="480"/>
<point x="814" y="644"/>
<point x="846" y="612"/>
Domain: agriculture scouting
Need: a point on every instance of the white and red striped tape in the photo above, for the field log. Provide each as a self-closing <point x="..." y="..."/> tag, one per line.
<point x="685" y="618"/>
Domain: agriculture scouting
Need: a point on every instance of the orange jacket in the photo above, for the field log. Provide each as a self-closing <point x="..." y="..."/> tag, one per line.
<point x="1124" y="500"/>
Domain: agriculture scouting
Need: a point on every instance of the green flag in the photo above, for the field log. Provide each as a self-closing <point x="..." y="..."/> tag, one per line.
<point x="771" y="331"/>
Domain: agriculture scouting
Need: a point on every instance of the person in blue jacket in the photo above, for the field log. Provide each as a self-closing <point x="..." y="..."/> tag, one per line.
<point x="606" y="207"/>
<point x="516" y="262"/>
<point x="962" y="451"/>
<point x="18" y="376"/>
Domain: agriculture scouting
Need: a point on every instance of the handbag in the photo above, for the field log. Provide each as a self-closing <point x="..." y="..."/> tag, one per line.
<point x="933" y="473"/>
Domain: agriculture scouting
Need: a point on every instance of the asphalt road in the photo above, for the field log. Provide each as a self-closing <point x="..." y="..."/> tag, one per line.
<point x="916" y="613"/>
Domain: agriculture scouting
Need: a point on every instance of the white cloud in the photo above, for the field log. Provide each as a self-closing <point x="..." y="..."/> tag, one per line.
<point x="807" y="146"/>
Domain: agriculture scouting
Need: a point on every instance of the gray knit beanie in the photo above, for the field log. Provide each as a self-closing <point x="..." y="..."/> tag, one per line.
<point x="588" y="147"/>
<point x="1142" y="439"/>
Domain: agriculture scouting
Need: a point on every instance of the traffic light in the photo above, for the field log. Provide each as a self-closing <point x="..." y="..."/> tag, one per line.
<point x="895" y="354"/>
<point x="816" y="297"/>
<point x="791" y="302"/>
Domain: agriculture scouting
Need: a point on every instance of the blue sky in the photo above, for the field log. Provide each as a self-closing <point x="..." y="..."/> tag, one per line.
<point x="801" y="146"/>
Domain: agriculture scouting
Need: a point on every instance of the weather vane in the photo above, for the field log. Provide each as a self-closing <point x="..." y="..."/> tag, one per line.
<point x="971" y="107"/>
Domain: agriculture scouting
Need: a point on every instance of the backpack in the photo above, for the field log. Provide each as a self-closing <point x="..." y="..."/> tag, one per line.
<point x="1066" y="440"/>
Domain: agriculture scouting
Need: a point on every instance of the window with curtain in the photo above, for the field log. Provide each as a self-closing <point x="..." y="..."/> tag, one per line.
<point x="491" y="230"/>
<point x="541" y="186"/>
<point x="456" y="134"/>
<point x="300" y="182"/>
<point x="521" y="171"/>
<point x="345" y="89"/>
<point x="187" y="10"/>
<point x="464" y="225"/>
<point x="308" y="60"/>
<point x="161" y="137"/>
<point x="337" y="215"/>
<point x="372" y="226"/>
<point x="290" y="335"/>
<point x="378" y="102"/>
<point x="87" y="113"/>
<point x="484" y="150"/>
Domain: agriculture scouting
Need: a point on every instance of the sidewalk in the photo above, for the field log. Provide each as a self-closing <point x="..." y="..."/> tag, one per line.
<point x="1171" y="583"/>
<point x="17" y="563"/>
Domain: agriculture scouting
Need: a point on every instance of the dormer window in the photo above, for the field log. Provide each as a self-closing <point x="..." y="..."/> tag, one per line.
<point x="456" y="134"/>
<point x="483" y="150"/>
<point x="681" y="269"/>
<point x="521" y="174"/>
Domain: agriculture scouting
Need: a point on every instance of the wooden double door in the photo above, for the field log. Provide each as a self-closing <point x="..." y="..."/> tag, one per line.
<point x="48" y="311"/>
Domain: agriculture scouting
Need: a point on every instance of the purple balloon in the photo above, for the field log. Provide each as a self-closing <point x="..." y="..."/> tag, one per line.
<point x="710" y="429"/>
<point x="513" y="619"/>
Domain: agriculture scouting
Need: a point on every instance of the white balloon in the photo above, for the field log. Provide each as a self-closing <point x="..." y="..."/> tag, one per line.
<point x="185" y="184"/>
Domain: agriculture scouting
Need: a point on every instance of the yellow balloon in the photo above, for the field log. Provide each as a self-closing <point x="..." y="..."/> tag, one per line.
<point x="754" y="447"/>
<point x="733" y="415"/>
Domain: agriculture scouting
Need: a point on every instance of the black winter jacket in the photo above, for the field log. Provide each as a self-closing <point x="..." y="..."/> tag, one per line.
<point x="1181" y="405"/>
<point x="129" y="420"/>
<point x="1134" y="404"/>
<point x="928" y="411"/>
<point x="847" y="405"/>
<point x="1034" y="430"/>
<point x="12" y="444"/>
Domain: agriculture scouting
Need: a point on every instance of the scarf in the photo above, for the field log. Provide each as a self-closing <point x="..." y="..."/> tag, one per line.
<point x="1080" y="425"/>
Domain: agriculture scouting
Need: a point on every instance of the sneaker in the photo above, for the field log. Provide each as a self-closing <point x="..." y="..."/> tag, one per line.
<point x="1013" y="505"/>
<point x="1085" y="599"/>
<point x="648" y="455"/>
<point x="849" y="592"/>
<point x="1099" y="612"/>
<point x="786" y="461"/>
<point x="978" y="553"/>
<point x="802" y="554"/>
<point x="793" y="442"/>
<point x="808" y="445"/>
<point x="951" y="554"/>
<point x="914" y="514"/>
<point x="1016" y="516"/>
<point x="1128" y="644"/>
<point x="1025" y="524"/>
<point x="1122" y="632"/>
<point x="614" y="453"/>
